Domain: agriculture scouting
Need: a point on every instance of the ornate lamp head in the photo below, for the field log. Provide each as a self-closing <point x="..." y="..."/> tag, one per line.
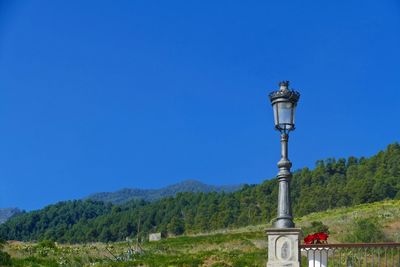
<point x="284" y="102"/>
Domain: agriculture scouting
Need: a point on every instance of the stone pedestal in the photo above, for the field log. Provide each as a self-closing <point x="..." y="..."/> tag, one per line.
<point x="283" y="247"/>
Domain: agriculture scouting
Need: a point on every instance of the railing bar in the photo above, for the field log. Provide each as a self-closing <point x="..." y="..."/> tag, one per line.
<point x="352" y="245"/>
<point x="369" y="249"/>
<point x="351" y="259"/>
<point x="372" y="252"/>
<point x="373" y="259"/>
<point x="385" y="257"/>
<point x="347" y="258"/>
<point x="361" y="256"/>
<point x="320" y="258"/>
<point x="336" y="258"/>
<point x="379" y="257"/>
<point x="398" y="253"/>
<point x="356" y="261"/>
<point x="355" y="258"/>
<point x="392" y="257"/>
<point x="308" y="255"/>
<point x="314" y="258"/>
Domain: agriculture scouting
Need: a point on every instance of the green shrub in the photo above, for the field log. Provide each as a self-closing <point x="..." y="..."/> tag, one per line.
<point x="5" y="259"/>
<point x="315" y="227"/>
<point x="47" y="244"/>
<point x="2" y="243"/>
<point x="365" y="230"/>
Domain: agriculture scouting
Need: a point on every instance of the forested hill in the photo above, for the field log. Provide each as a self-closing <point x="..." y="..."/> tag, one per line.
<point x="127" y="194"/>
<point x="332" y="183"/>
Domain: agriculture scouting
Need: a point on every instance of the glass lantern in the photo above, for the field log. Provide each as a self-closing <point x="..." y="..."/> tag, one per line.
<point x="284" y="103"/>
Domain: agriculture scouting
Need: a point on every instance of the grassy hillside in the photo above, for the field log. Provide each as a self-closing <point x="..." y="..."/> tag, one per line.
<point x="340" y="220"/>
<point x="236" y="247"/>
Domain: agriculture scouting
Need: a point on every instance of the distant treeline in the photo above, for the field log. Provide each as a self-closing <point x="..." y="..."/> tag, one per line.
<point x="333" y="183"/>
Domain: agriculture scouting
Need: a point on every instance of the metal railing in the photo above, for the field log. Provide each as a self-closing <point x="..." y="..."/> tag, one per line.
<point x="351" y="255"/>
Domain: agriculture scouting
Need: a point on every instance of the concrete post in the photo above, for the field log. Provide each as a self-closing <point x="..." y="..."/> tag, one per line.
<point x="284" y="247"/>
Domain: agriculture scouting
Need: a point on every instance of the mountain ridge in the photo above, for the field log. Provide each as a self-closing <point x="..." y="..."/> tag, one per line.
<point x="191" y="185"/>
<point x="7" y="213"/>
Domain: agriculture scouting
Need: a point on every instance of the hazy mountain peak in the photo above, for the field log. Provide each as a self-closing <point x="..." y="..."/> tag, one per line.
<point x="190" y="185"/>
<point x="7" y="213"/>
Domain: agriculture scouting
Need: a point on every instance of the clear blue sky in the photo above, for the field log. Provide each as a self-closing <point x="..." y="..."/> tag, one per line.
<point x="101" y="95"/>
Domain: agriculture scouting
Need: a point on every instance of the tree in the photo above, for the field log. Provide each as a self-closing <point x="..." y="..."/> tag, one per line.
<point x="176" y="226"/>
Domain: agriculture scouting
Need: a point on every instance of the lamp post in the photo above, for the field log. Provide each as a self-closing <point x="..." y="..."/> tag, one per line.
<point x="284" y="238"/>
<point x="284" y="103"/>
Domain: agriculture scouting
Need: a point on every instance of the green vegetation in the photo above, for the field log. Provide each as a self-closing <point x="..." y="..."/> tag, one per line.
<point x="246" y="246"/>
<point x="342" y="222"/>
<point x="229" y="249"/>
<point x="5" y="259"/>
<point x="366" y="230"/>
<point x="315" y="227"/>
<point x="53" y="221"/>
<point x="333" y="183"/>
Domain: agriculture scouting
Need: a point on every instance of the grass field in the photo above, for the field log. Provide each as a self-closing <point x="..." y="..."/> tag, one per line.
<point x="231" y="247"/>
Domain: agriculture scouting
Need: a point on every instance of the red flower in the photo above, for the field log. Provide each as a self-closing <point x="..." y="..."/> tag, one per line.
<point x="322" y="236"/>
<point x="317" y="238"/>
<point x="309" y="239"/>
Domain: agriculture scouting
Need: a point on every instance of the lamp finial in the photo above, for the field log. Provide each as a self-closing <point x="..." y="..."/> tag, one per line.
<point x="284" y="85"/>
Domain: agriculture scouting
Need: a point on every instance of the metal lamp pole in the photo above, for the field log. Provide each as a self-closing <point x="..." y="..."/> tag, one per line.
<point x="284" y="238"/>
<point x="284" y="102"/>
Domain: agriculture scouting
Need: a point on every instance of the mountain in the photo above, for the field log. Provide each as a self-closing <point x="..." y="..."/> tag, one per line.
<point x="7" y="213"/>
<point x="127" y="194"/>
<point x="332" y="183"/>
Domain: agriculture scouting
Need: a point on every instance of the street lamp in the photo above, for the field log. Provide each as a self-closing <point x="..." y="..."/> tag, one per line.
<point x="284" y="103"/>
